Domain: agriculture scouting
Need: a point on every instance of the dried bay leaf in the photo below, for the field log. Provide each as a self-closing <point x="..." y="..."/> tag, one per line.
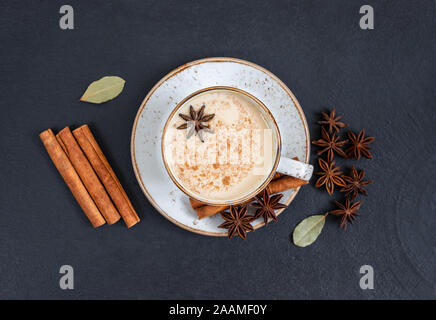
<point x="308" y="230"/>
<point x="103" y="90"/>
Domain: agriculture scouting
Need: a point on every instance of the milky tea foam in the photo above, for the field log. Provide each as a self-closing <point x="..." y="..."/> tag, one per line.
<point x="237" y="155"/>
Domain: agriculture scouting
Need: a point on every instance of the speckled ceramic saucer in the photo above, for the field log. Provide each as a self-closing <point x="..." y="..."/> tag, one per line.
<point x="147" y="161"/>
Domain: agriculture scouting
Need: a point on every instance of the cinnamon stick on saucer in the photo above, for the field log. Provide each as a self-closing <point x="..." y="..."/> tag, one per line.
<point x="285" y="183"/>
<point x="88" y="176"/>
<point x="71" y="178"/>
<point x="275" y="186"/>
<point x="279" y="183"/>
<point x="107" y="176"/>
<point x="204" y="210"/>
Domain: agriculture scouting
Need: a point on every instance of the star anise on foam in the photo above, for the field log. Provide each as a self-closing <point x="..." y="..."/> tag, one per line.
<point x="196" y="122"/>
<point x="347" y="212"/>
<point x="355" y="184"/>
<point x="330" y="176"/>
<point x="266" y="205"/>
<point x="237" y="221"/>
<point x="331" y="144"/>
<point x="359" y="145"/>
<point x="332" y="121"/>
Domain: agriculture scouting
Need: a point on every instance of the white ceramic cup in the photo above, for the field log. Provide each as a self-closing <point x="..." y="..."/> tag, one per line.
<point x="280" y="164"/>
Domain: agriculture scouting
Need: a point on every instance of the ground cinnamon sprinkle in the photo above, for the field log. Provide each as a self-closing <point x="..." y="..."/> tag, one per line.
<point x="226" y="180"/>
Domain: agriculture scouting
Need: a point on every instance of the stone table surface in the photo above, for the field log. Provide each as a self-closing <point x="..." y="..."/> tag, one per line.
<point x="382" y="80"/>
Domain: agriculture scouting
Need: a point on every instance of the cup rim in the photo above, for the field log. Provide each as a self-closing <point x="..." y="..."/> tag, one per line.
<point x="253" y="193"/>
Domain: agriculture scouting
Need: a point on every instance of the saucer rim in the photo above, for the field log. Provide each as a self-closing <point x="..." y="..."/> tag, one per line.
<point x="173" y="73"/>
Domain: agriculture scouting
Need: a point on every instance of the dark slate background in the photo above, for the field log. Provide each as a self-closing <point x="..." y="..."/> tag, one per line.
<point x="382" y="80"/>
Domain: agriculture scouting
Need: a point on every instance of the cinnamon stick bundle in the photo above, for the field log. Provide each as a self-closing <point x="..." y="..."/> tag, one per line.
<point x="107" y="176"/>
<point x="71" y="178"/>
<point x="88" y="176"/>
<point x="279" y="183"/>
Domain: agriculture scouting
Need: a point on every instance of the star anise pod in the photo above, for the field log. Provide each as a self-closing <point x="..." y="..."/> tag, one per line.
<point x="330" y="176"/>
<point x="195" y="122"/>
<point x="332" y="121"/>
<point x="237" y="221"/>
<point x="359" y="145"/>
<point x="347" y="212"/>
<point x="330" y="144"/>
<point x="267" y="205"/>
<point x="355" y="184"/>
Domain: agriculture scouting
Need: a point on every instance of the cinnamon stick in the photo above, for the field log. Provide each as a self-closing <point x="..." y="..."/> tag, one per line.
<point x="278" y="175"/>
<point x="88" y="176"/>
<point x="275" y="186"/>
<point x="71" y="178"/>
<point x="107" y="176"/>
<point x="285" y="183"/>
<point x="196" y="204"/>
<point x="279" y="183"/>
<point x="207" y="211"/>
